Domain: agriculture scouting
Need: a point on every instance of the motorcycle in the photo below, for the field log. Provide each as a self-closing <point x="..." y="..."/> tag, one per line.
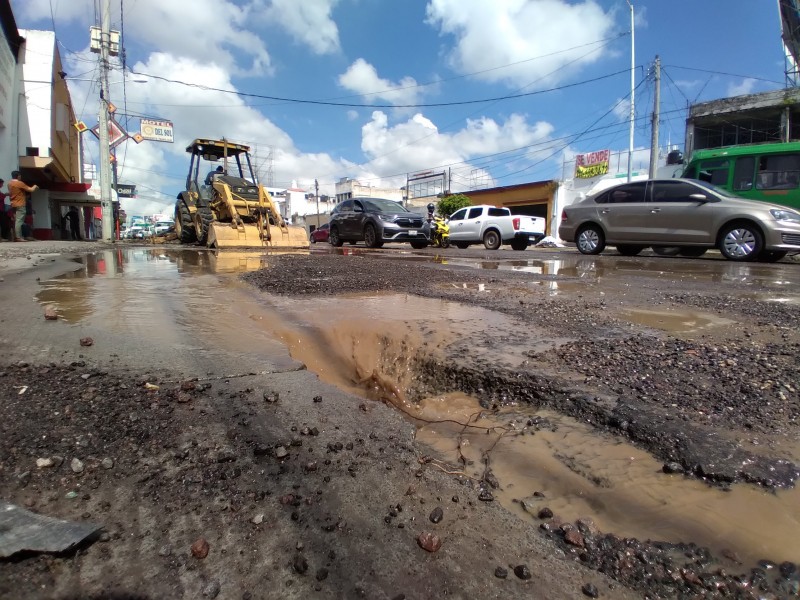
<point x="440" y="232"/>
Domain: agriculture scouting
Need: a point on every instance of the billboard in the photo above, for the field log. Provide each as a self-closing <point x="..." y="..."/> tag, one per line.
<point x="592" y="164"/>
<point x="157" y="131"/>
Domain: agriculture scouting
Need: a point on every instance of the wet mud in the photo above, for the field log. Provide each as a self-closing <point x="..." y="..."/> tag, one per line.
<point x="704" y="382"/>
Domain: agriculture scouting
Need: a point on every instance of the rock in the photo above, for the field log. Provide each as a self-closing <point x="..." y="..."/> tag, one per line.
<point x="271" y="397"/>
<point x="574" y="538"/>
<point x="164" y="551"/>
<point x="501" y="573"/>
<point x="86" y="341"/>
<point x="317" y="398"/>
<point x="587" y="526"/>
<point x="43" y="463"/>
<point x="281" y="452"/>
<point x="545" y="513"/>
<point x="437" y="514"/>
<point x="24" y="479"/>
<point x="322" y="574"/>
<point x="211" y="590"/>
<point x="57" y="460"/>
<point x="429" y="541"/>
<point x="311" y="467"/>
<point x="50" y="313"/>
<point x="107" y="463"/>
<point x="590" y="590"/>
<point x="150" y="386"/>
<point x="300" y="564"/>
<point x="672" y="467"/>
<point x="76" y="465"/>
<point x="412" y="489"/>
<point x="522" y="571"/>
<point x="258" y="519"/>
<point x="261" y="450"/>
<point x="188" y="386"/>
<point x="200" y="548"/>
<point x="485" y="496"/>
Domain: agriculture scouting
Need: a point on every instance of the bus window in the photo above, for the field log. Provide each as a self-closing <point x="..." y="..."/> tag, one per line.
<point x="778" y="172"/>
<point x="743" y="174"/>
<point x="714" y="171"/>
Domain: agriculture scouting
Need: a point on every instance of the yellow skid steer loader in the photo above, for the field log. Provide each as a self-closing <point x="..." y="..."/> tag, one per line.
<point x="229" y="208"/>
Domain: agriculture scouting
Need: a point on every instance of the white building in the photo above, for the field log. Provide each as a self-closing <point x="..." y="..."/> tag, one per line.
<point x="351" y="188"/>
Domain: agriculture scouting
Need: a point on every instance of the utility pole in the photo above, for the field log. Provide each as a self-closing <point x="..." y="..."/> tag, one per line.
<point x="105" y="150"/>
<point x="633" y="81"/>
<point x="316" y="195"/>
<point x="656" y="115"/>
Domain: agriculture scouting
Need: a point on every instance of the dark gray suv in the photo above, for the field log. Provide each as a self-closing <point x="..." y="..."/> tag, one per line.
<point x="376" y="221"/>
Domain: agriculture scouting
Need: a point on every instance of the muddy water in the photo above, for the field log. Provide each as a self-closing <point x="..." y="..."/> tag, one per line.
<point x="366" y="345"/>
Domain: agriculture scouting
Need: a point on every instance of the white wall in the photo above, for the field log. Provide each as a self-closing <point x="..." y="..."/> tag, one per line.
<point x="9" y="97"/>
<point x="37" y="77"/>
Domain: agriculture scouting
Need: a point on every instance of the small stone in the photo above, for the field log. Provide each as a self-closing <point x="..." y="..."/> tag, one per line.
<point x="271" y="397"/>
<point x="545" y="513"/>
<point x="574" y="538"/>
<point x="317" y="398"/>
<point x="311" y="467"/>
<point x="322" y="574"/>
<point x="104" y="537"/>
<point x="258" y="519"/>
<point x="107" y="463"/>
<point x="485" y="496"/>
<point x="71" y="495"/>
<point x="150" y="386"/>
<point x="429" y="541"/>
<point x="672" y="467"/>
<point x="188" y="386"/>
<point x="437" y="514"/>
<point x="50" y="313"/>
<point x="164" y="551"/>
<point x="76" y="465"/>
<point x="522" y="571"/>
<point x="590" y="590"/>
<point x="281" y="452"/>
<point x="200" y="548"/>
<point x="86" y="341"/>
<point x="58" y="460"/>
<point x="300" y="564"/>
<point x="501" y="573"/>
<point x="211" y="590"/>
<point x="43" y="463"/>
<point x="412" y="489"/>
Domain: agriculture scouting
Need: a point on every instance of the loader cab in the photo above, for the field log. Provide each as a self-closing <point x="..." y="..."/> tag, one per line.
<point x="215" y="160"/>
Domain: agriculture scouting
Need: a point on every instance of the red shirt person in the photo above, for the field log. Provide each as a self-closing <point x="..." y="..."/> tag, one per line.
<point x="19" y="190"/>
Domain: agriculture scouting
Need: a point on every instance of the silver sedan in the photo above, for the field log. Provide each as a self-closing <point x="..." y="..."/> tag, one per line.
<point x="680" y="216"/>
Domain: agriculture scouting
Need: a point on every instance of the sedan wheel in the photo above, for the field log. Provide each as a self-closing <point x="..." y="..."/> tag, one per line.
<point x="741" y="242"/>
<point x="590" y="240"/>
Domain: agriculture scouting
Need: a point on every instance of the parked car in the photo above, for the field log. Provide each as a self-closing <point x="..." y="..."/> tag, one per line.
<point x="494" y="226"/>
<point x="162" y="227"/>
<point x="689" y="215"/>
<point x="320" y="234"/>
<point x="376" y="221"/>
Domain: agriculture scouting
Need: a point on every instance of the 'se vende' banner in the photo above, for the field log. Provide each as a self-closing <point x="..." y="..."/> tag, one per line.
<point x="592" y="164"/>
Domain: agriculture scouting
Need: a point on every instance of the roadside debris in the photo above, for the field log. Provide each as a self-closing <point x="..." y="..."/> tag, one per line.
<point x="21" y="530"/>
<point x="50" y="313"/>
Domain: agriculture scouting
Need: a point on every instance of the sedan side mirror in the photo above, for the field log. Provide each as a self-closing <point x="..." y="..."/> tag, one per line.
<point x="702" y="198"/>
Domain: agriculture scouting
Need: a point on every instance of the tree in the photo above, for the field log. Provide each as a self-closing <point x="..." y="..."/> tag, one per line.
<point x="450" y="204"/>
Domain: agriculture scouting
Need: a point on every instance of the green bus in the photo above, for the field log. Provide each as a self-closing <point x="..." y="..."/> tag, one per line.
<point x="769" y="172"/>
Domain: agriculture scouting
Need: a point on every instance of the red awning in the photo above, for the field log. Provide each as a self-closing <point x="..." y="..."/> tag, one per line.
<point x="66" y="187"/>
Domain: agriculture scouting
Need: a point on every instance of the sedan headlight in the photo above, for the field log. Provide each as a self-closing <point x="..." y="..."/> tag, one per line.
<point x="785" y="215"/>
<point x="387" y="218"/>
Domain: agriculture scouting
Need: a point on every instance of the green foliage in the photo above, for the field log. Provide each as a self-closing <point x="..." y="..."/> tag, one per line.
<point x="450" y="204"/>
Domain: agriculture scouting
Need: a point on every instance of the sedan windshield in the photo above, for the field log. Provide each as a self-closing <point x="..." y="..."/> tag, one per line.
<point x="384" y="205"/>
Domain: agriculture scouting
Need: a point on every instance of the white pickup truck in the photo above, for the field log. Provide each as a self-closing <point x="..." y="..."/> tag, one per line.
<point x="494" y="226"/>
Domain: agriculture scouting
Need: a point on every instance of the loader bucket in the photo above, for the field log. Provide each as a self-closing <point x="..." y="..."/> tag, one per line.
<point x="226" y="235"/>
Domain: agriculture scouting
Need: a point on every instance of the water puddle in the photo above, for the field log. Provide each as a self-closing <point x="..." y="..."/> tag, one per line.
<point x="582" y="472"/>
<point x="369" y="345"/>
<point x="674" y="321"/>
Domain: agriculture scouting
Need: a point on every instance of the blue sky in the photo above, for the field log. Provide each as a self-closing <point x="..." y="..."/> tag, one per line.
<point x="565" y="61"/>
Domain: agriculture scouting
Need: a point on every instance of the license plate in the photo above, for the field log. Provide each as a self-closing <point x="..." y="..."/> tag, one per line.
<point x="412" y="232"/>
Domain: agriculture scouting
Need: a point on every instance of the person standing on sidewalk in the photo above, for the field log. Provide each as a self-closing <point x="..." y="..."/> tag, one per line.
<point x="19" y="190"/>
<point x="5" y="221"/>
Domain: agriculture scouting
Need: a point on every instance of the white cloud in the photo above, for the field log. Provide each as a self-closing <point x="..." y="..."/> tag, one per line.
<point x="503" y="32"/>
<point x="744" y="87"/>
<point x="362" y="78"/>
<point x="622" y="109"/>
<point x="308" y="20"/>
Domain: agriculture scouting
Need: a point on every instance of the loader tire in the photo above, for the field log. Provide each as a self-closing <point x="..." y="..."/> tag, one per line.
<point x="203" y="219"/>
<point x="183" y="224"/>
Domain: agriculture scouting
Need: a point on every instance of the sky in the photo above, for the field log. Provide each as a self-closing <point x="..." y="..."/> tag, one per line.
<point x="496" y="93"/>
